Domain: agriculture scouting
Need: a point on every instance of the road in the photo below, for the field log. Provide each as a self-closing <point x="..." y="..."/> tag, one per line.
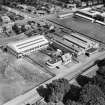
<point x="27" y="15"/>
<point x="32" y="95"/>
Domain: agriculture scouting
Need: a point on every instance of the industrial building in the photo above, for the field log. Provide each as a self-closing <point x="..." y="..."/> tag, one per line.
<point x="89" y="15"/>
<point x="65" y="45"/>
<point x="75" y="43"/>
<point x="81" y="41"/>
<point x="27" y="46"/>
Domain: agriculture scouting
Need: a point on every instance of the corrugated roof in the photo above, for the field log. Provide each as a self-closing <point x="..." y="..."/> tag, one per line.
<point x="28" y="43"/>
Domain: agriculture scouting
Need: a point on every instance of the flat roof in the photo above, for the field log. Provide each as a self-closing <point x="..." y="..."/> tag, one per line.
<point x="28" y="43"/>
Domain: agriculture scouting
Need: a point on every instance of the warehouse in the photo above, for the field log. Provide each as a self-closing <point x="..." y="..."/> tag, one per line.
<point x="67" y="46"/>
<point x="27" y="46"/>
<point x="81" y="41"/>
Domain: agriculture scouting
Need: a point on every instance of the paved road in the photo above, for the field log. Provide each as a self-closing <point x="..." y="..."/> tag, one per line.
<point x="32" y="95"/>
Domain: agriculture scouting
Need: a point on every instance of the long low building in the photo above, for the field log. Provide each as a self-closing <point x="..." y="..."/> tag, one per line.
<point x="27" y="46"/>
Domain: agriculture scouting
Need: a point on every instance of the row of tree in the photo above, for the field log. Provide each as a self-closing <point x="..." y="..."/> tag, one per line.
<point x="91" y="91"/>
<point x="34" y="2"/>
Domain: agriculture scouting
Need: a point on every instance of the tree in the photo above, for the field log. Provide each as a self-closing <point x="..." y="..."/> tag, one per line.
<point x="91" y="94"/>
<point x="51" y="103"/>
<point x="69" y="102"/>
<point x="43" y="92"/>
<point x="65" y="1"/>
<point x="1" y="2"/>
<point x="101" y="71"/>
<point x="73" y="94"/>
<point x="83" y="80"/>
<point x="99" y="79"/>
<point x="100" y="63"/>
<point x="104" y="2"/>
<point x="16" y="28"/>
<point x="55" y="91"/>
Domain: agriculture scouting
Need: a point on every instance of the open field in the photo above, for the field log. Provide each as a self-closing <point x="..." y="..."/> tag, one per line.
<point x="18" y="76"/>
<point x="93" y="30"/>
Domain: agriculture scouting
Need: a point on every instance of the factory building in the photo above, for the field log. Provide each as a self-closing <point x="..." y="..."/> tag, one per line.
<point x="27" y="46"/>
<point x="68" y="46"/>
<point x="81" y="41"/>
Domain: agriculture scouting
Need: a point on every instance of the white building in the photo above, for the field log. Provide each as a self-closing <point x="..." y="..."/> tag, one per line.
<point x="27" y="46"/>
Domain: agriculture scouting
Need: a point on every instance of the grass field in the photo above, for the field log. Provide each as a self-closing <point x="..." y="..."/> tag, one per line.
<point x="18" y="76"/>
<point x="93" y="30"/>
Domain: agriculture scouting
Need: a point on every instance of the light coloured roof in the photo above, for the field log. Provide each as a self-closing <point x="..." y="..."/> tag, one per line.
<point x="28" y="43"/>
<point x="76" y="41"/>
<point x="82" y="38"/>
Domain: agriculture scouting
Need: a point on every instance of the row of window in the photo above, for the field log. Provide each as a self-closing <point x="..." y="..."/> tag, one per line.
<point x="31" y="44"/>
<point x="35" y="48"/>
<point x="29" y="41"/>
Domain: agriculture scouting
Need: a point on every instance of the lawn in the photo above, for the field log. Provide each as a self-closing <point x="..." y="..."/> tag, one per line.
<point x="39" y="57"/>
<point x="18" y="76"/>
<point x="93" y="30"/>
